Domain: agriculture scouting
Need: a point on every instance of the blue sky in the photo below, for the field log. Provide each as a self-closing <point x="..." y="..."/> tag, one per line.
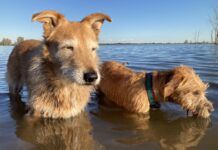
<point x="133" y="20"/>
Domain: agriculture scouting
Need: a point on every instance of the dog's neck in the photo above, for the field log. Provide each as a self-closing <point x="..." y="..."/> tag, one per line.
<point x="160" y="78"/>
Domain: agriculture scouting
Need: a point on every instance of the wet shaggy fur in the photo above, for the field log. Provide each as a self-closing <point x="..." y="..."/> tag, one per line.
<point x="181" y="85"/>
<point x="53" y="69"/>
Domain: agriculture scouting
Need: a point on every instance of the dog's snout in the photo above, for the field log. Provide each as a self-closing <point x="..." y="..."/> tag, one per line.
<point x="90" y="77"/>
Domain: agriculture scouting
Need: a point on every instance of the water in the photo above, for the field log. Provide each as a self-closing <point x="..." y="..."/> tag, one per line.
<point x="106" y="128"/>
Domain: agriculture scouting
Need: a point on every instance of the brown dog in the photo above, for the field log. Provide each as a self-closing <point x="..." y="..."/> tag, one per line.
<point x="180" y="85"/>
<point x="60" y="71"/>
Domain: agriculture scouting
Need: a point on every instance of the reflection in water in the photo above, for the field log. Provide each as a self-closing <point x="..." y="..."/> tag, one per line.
<point x="74" y="133"/>
<point x="169" y="134"/>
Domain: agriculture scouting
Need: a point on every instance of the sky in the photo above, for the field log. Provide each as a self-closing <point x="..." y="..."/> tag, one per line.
<point x="133" y="20"/>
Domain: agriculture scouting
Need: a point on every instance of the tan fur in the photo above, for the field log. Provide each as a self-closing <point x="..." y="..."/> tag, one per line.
<point x="180" y="85"/>
<point x="53" y="69"/>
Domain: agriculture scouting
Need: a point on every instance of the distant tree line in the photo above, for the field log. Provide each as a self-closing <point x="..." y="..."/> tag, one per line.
<point x="8" y="42"/>
<point x="196" y="42"/>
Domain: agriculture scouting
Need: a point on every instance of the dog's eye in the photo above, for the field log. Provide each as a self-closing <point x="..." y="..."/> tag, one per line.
<point x="94" y="49"/>
<point x="69" y="47"/>
<point x="196" y="92"/>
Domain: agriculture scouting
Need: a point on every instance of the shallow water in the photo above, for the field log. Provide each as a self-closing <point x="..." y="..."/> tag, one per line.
<point x="105" y="128"/>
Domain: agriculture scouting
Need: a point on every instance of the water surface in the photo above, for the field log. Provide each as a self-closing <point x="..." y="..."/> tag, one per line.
<point x="104" y="128"/>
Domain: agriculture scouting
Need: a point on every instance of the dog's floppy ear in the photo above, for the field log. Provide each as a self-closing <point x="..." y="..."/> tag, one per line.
<point x="173" y="83"/>
<point x="96" y="21"/>
<point x="50" y="20"/>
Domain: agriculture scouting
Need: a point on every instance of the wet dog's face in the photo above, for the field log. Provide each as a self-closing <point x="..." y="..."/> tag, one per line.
<point x="188" y="90"/>
<point x="76" y="52"/>
<point x="73" y="45"/>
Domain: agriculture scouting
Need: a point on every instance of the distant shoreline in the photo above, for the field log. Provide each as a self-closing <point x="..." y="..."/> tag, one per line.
<point x="150" y="43"/>
<point x="141" y="43"/>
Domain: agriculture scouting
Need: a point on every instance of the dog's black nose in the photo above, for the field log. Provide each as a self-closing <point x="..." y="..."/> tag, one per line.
<point x="90" y="77"/>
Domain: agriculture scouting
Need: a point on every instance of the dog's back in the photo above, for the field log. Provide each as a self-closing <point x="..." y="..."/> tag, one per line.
<point x="124" y="87"/>
<point x="18" y="63"/>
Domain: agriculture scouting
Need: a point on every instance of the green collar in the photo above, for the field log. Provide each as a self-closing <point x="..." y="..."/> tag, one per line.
<point x="150" y="92"/>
